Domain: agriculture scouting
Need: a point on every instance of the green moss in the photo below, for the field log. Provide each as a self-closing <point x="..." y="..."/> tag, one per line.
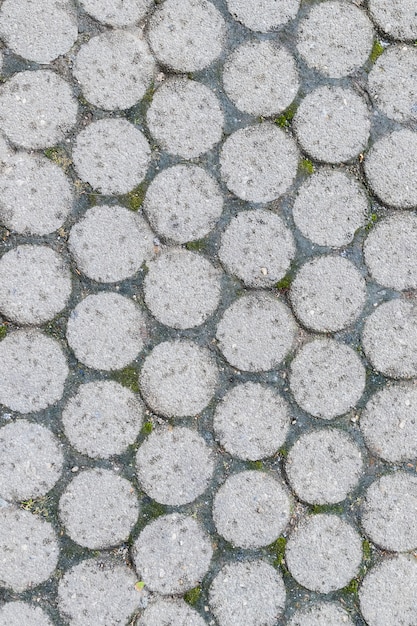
<point x="192" y="596"/>
<point x="315" y="509"/>
<point x="284" y="120"/>
<point x="152" y="510"/>
<point x="135" y="198"/>
<point x="3" y="331"/>
<point x="306" y="166"/>
<point x="283" y="452"/>
<point x="147" y="428"/>
<point x="377" y="50"/>
<point x="196" y="246"/>
<point x="255" y="465"/>
<point x="373" y="218"/>
<point x="352" y="588"/>
<point x="367" y="552"/>
<point x="37" y="506"/>
<point x="58" y="156"/>
<point x="278" y="550"/>
<point x="285" y="283"/>
<point x="128" y="377"/>
<point x="148" y="97"/>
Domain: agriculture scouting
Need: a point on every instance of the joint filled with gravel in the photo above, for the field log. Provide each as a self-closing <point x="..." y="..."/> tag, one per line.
<point x="117" y="12"/>
<point x="170" y="611"/>
<point x="321" y="614"/>
<point x="18" y="613"/>
<point x="263" y="15"/>
<point x="396" y="17"/>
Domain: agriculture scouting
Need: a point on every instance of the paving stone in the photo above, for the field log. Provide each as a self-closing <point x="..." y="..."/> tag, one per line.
<point x="252" y="421"/>
<point x="256" y="332"/>
<point x="37" y="109"/>
<point x="249" y="593"/>
<point x="327" y="378"/>
<point x="103" y="418"/>
<point x="263" y="15"/>
<point x="98" y="509"/>
<point x="261" y="78"/>
<point x="33" y="371"/>
<point x="178" y="378"/>
<point x="35" y="195"/>
<point x="389" y="512"/>
<point x="328" y="293"/>
<point x="106" y="331"/>
<point x="389" y="338"/>
<point x="332" y="124"/>
<point x="324" y="553"/>
<point x="111" y="155"/>
<point x="114" y="69"/>
<point x="98" y="591"/>
<point x="185" y="117"/>
<point x="186" y="37"/>
<point x="117" y="12"/>
<point x="329" y="208"/>
<point x="182" y="289"/>
<point x="257" y="247"/>
<point x="18" y="613"/>
<point x="183" y="203"/>
<point x="393" y="83"/>
<point x="35" y="284"/>
<point x="335" y="38"/>
<point x="31" y="460"/>
<point x="388" y="422"/>
<point x="259" y="163"/>
<point x="170" y="611"/>
<point x="109" y="259"/>
<point x="390" y="171"/>
<point x="323" y="466"/>
<point x="321" y="614"/>
<point x="251" y="509"/>
<point x="174" y="466"/>
<point x="28" y="549"/>
<point x="25" y="27"/>
<point x="396" y="17"/>
<point x="172" y="554"/>
<point x="388" y="593"/>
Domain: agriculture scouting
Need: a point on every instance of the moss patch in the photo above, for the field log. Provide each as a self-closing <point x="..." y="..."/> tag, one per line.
<point x="135" y="198"/>
<point x="306" y="166"/>
<point x="192" y="596"/>
<point x="285" y="283"/>
<point x="147" y="428"/>
<point x="377" y="50"/>
<point x="196" y="246"/>
<point x="3" y="331"/>
<point x="128" y="377"/>
<point x="255" y="465"/>
<point x="373" y="218"/>
<point x="58" y="156"/>
<point x="284" y="120"/>
<point x="315" y="509"/>
<point x="278" y="550"/>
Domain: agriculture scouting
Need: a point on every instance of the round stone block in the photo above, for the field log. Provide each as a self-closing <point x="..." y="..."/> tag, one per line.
<point x="103" y="418"/>
<point x="178" y="378"/>
<point x="389" y="170"/>
<point x="183" y="203"/>
<point x="98" y="591"/>
<point x="252" y="421"/>
<point x="321" y="614"/>
<point x="98" y="509"/>
<point x="114" y="69"/>
<point x="182" y="289"/>
<point x="174" y="466"/>
<point x="111" y="155"/>
<point x="37" y="109"/>
<point x="395" y="17"/>
<point x="324" y="553"/>
<point x="186" y="36"/>
<point x="323" y="466"/>
<point x="261" y="78"/>
<point x="35" y="284"/>
<point x="251" y="509"/>
<point x="329" y="208"/>
<point x="117" y="12"/>
<point x="389" y="338"/>
<point x="173" y="611"/>
<point x="250" y="593"/>
<point x="28" y="549"/>
<point x="106" y="331"/>
<point x="256" y="332"/>
<point x="185" y="118"/>
<point x="332" y="124"/>
<point x="18" y="613"/>
<point x="257" y="247"/>
<point x="110" y="259"/>
<point x="327" y="378"/>
<point x="33" y="371"/>
<point x="259" y="163"/>
<point x="172" y="554"/>
<point x="263" y="15"/>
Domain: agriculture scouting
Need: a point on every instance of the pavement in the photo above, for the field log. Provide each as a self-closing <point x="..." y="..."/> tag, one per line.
<point x="208" y="313"/>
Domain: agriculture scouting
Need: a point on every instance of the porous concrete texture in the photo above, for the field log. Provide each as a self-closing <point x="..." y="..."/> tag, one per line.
<point x="397" y="18"/>
<point x="181" y="289"/>
<point x="321" y="614"/>
<point x="332" y="124"/>
<point x="324" y="553"/>
<point x="259" y="163"/>
<point x="186" y="37"/>
<point x="18" y="613"/>
<point x="256" y="332"/>
<point x="251" y="509"/>
<point x="263" y="15"/>
<point x="261" y="78"/>
<point x="185" y="118"/>
<point x="178" y="378"/>
<point x="330" y="207"/>
<point x="249" y="593"/>
<point x="174" y="466"/>
<point x="173" y="611"/>
<point x="327" y="378"/>
<point x="103" y="418"/>
<point x="257" y="247"/>
<point x="117" y="12"/>
<point x="106" y="331"/>
<point x="110" y="259"/>
<point x="323" y="466"/>
<point x="98" y="508"/>
<point x="252" y="421"/>
<point x="172" y="554"/>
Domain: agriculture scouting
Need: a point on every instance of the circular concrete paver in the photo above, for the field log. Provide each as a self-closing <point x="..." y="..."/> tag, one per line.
<point x="117" y="12"/>
<point x="321" y="614"/>
<point x="263" y="15"/>
<point x="18" y="613"/>
<point x="172" y="611"/>
<point x="396" y="17"/>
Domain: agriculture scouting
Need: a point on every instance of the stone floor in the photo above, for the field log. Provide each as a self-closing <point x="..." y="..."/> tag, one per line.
<point x="208" y="319"/>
